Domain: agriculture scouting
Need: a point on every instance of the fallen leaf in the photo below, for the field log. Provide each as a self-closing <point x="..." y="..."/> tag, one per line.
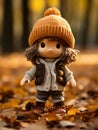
<point x="73" y="111"/>
<point x="65" y="123"/>
<point x="10" y="104"/>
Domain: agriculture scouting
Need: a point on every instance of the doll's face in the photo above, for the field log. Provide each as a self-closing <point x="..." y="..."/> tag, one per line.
<point x="50" y="49"/>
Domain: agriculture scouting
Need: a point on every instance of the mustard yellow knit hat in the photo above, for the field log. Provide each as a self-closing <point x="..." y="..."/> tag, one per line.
<point x="52" y="24"/>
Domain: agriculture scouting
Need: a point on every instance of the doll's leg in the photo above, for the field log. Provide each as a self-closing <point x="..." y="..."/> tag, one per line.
<point x="58" y="101"/>
<point x="41" y="98"/>
<point x="36" y="108"/>
<point x="57" y="96"/>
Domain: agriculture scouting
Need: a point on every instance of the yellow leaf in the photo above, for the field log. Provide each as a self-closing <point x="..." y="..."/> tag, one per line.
<point x="73" y="111"/>
<point x="11" y="104"/>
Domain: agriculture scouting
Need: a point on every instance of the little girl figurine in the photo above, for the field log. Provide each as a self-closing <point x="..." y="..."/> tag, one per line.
<point x="51" y="49"/>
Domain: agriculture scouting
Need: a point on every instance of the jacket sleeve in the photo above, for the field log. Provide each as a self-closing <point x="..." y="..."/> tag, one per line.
<point x="30" y="73"/>
<point x="68" y="74"/>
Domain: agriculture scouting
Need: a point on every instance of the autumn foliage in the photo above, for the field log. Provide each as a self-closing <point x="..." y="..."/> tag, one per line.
<point x="81" y="103"/>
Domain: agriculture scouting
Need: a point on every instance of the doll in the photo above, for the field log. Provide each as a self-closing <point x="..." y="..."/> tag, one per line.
<point x="51" y="50"/>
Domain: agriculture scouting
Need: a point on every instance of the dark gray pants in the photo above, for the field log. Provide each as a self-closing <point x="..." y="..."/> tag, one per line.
<point x="43" y="96"/>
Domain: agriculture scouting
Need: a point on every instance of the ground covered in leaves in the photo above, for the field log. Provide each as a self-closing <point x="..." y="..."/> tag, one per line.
<point x="81" y="103"/>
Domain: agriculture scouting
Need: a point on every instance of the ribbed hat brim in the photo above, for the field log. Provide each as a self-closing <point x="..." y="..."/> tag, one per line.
<point x="47" y="30"/>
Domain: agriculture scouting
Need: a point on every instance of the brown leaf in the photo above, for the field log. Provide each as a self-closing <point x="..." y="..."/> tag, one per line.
<point x="53" y="116"/>
<point x="11" y="122"/>
<point x="27" y="116"/>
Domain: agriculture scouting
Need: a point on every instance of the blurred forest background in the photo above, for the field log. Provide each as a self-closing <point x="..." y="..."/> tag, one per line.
<point x="18" y="16"/>
<point x="16" y="20"/>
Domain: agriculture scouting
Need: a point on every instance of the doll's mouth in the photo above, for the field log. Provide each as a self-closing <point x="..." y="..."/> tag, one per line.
<point x="50" y="52"/>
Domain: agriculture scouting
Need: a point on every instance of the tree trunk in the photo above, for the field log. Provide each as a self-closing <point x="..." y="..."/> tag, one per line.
<point x="86" y="23"/>
<point x="7" y="34"/>
<point x="64" y="8"/>
<point x="25" y="24"/>
<point x="97" y="29"/>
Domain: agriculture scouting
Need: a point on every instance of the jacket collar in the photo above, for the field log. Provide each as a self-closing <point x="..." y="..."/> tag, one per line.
<point x="44" y="61"/>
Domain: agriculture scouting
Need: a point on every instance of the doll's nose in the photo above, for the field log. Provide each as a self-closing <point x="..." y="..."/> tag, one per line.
<point x="50" y="50"/>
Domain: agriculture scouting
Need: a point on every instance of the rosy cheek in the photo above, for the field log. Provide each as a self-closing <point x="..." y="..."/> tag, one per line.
<point x="41" y="51"/>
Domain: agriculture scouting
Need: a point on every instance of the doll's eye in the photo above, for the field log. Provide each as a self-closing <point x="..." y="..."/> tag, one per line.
<point x="42" y="44"/>
<point x="58" y="46"/>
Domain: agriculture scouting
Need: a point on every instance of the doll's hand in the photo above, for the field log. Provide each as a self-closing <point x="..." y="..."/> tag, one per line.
<point x="24" y="80"/>
<point x="72" y="83"/>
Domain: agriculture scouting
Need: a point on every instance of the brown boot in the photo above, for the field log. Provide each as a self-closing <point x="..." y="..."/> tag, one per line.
<point x="58" y="107"/>
<point x="37" y="108"/>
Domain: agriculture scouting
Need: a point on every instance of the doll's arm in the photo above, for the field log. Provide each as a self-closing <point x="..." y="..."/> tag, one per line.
<point x="24" y="80"/>
<point x="29" y="75"/>
<point x="69" y="77"/>
<point x="72" y="83"/>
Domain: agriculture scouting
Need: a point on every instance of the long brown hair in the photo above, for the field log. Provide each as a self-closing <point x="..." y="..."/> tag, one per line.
<point x="68" y="55"/>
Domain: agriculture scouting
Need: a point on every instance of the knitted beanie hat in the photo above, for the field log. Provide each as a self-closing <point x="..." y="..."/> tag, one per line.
<point x="52" y="24"/>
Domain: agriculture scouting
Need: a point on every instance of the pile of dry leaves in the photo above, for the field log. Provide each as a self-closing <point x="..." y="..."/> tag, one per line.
<point x="81" y="103"/>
